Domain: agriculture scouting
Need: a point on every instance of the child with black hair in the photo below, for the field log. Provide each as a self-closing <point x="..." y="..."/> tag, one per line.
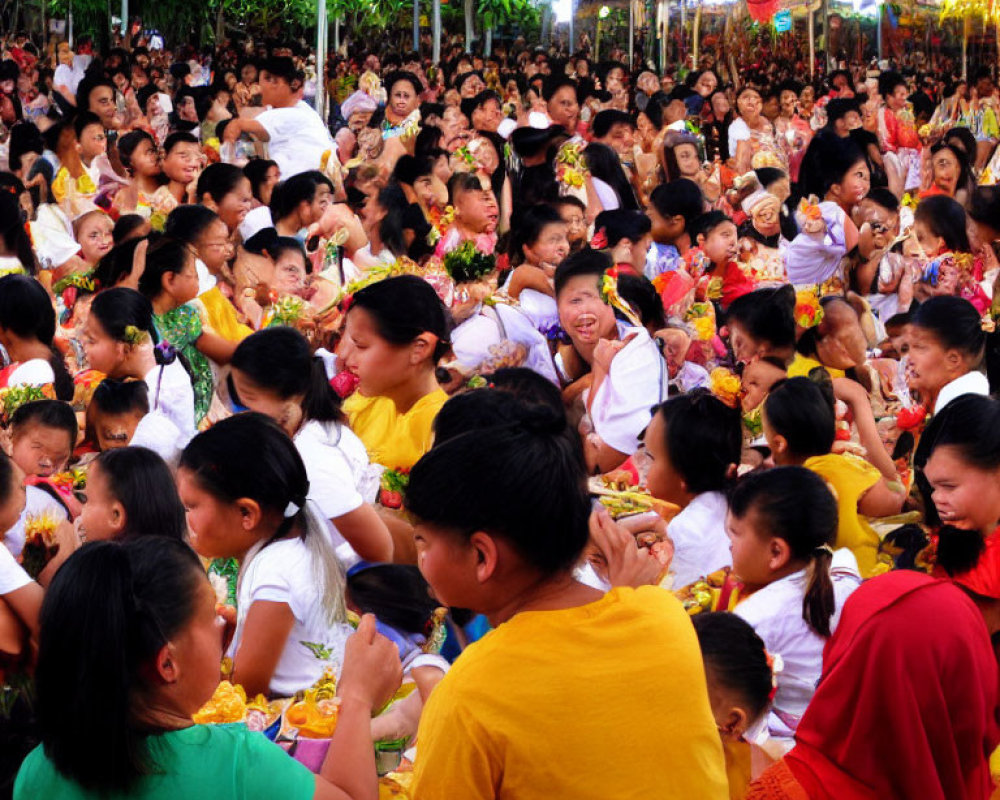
<point x="672" y="210"/>
<point x="762" y="324"/>
<point x="783" y="524"/>
<point x="625" y="233"/>
<point x="574" y="213"/>
<point x="115" y="411"/>
<point x="141" y="159"/>
<point x="538" y="244"/>
<point x="939" y="225"/>
<point x="711" y="263"/>
<point x="181" y="163"/>
<point x="800" y="427"/>
<point x="513" y="561"/>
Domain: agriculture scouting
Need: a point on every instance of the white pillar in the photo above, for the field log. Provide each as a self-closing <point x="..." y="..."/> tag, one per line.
<point x="631" y="34"/>
<point x="416" y="25"/>
<point x="812" y="43"/>
<point x="696" y="37"/>
<point x="572" y="11"/>
<point x="663" y="26"/>
<point x="124" y="21"/>
<point x="965" y="48"/>
<point x="321" y="39"/>
<point x="436" y="11"/>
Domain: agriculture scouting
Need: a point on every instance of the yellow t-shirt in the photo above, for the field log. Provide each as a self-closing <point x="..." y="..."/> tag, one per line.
<point x="606" y="700"/>
<point x="801" y="366"/>
<point x="220" y="315"/>
<point x="394" y="440"/>
<point x="850" y="478"/>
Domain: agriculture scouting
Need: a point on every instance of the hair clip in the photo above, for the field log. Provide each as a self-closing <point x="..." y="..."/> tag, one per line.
<point x="135" y="336"/>
<point x="777" y="666"/>
<point x="824" y="548"/>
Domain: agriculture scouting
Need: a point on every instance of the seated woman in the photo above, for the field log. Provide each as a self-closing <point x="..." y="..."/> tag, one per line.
<point x="123" y="726"/>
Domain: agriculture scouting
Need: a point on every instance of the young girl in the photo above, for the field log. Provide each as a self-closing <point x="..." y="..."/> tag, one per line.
<point x="120" y="339"/>
<point x="946" y="346"/>
<point x="245" y="490"/>
<point x="92" y="232"/>
<point x="396" y="332"/>
<point x="939" y="225"/>
<point x="782" y="524"/>
<point x="224" y="189"/>
<point x="711" y="263"/>
<point x="18" y="593"/>
<point x="693" y="448"/>
<point x="170" y="282"/>
<point x="273" y="372"/>
<point x="115" y="410"/>
<point x="141" y="159"/>
<point x="27" y="329"/>
<point x="130" y="492"/>
<point x="762" y="324"/>
<point x="740" y="685"/>
<point x="800" y="428"/>
<point x="538" y="246"/>
<point x="513" y="561"/>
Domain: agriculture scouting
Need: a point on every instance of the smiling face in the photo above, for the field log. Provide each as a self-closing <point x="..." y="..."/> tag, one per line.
<point x="964" y="494"/>
<point x="182" y="163"/>
<point x="564" y="109"/>
<point x="41" y="450"/>
<point x="853" y="186"/>
<point x="583" y="314"/>
<point x="234" y="205"/>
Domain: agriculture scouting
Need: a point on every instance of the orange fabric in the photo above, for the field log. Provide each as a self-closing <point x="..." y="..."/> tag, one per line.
<point x="777" y="783"/>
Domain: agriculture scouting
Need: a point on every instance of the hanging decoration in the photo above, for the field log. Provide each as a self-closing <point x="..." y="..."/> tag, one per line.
<point x="762" y="11"/>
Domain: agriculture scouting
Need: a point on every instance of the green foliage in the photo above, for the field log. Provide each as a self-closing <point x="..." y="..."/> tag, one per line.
<point x="466" y="263"/>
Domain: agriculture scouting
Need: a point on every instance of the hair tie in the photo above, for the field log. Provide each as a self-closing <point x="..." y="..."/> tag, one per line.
<point x="824" y="548"/>
<point x="292" y="509"/>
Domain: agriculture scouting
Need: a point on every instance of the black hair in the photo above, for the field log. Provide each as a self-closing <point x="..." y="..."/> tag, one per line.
<point x="463" y="182"/>
<point x="553" y="83"/>
<point x="109" y="610"/>
<point x="584" y="262"/>
<point x="944" y="217"/>
<point x="117" y="263"/>
<point x="256" y="171"/>
<point x="654" y="109"/>
<point x="605" y="164"/>
<point x="474" y="411"/>
<point x="703" y="437"/>
<point x="409" y="168"/>
<point x="704" y="224"/>
<point x="528" y="227"/>
<point x="830" y="158"/>
<point x="142" y="482"/>
<point x="767" y="315"/>
<point x="218" y="180"/>
<point x="166" y="256"/>
<point x="737" y="658"/>
<point x="84" y="120"/>
<point x="955" y="323"/>
<point x="533" y="460"/>
<point x="390" y="228"/>
<point x="402" y="75"/>
<point x="396" y="594"/>
<point x="176" y="138"/>
<point x="800" y="410"/>
<point x="119" y="308"/>
<point x="884" y="198"/>
<point x="280" y="245"/>
<point x="888" y="81"/>
<point x="404" y="307"/>
<point x="605" y="120"/>
<point x="984" y="206"/>
<point x="527" y="386"/>
<point x="639" y="292"/>
<point x="840" y="107"/>
<point x="186" y="223"/>
<point x="768" y="176"/>
<point x="47" y="413"/>
<point x="116" y="397"/>
<point x="26" y="311"/>
<point x="286" y="196"/>
<point x="6" y="478"/>
<point x="129" y="142"/>
<point x="796" y="505"/>
<point x="282" y="67"/>
<point x="86" y="87"/>
<point x="15" y="237"/>
<point x="279" y="360"/>
<point x="126" y="225"/>
<point x="964" y="180"/>
<point x="623" y="224"/>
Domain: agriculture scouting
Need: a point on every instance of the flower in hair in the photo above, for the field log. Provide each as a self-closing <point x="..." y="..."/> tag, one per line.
<point x="610" y="295"/>
<point x="166" y="351"/>
<point x="135" y="336"/>
<point x="808" y="310"/>
<point x="599" y="241"/>
<point x="726" y="386"/>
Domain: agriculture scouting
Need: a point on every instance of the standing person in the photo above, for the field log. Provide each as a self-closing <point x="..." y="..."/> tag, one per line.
<point x="296" y="136"/>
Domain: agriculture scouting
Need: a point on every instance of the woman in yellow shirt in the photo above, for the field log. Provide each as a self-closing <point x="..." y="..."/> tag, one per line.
<point x="800" y="427"/>
<point x="396" y="332"/>
<point x="574" y="693"/>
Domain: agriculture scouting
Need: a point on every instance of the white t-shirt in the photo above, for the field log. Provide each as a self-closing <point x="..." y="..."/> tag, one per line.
<point x="298" y="138"/>
<point x="701" y="545"/>
<point x="775" y="612"/>
<point x="341" y="477"/>
<point x="739" y="131"/>
<point x="37" y="501"/>
<point x="35" y="372"/>
<point x="170" y="391"/>
<point x="12" y="574"/>
<point x="607" y="195"/>
<point x="283" y="572"/>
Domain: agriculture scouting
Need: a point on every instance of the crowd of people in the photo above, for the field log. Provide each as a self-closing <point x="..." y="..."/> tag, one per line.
<point x="628" y="434"/>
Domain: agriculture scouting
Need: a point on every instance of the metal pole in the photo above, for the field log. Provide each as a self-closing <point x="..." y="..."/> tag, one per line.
<point x="684" y="24"/>
<point x="416" y="25"/>
<point x="436" y="26"/>
<point x="878" y="29"/>
<point x="69" y="21"/>
<point x="631" y="33"/>
<point x="572" y="11"/>
<point x="321" y="59"/>
<point x="826" y="34"/>
<point x="696" y="37"/>
<point x="124" y="21"/>
<point x="664" y="28"/>
<point x="965" y="48"/>
<point x="812" y="43"/>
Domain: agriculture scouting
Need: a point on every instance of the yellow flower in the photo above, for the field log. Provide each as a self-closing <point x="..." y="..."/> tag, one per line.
<point x="725" y="385"/>
<point x="808" y="311"/>
<point x="704" y="328"/>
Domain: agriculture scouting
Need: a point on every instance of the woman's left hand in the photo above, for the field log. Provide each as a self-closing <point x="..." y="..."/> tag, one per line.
<point x="617" y="558"/>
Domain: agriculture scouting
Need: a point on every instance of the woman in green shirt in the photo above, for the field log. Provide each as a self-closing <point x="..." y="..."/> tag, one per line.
<point x="130" y="648"/>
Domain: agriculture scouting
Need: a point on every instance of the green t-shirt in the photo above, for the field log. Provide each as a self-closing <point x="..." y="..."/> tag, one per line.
<point x="223" y="762"/>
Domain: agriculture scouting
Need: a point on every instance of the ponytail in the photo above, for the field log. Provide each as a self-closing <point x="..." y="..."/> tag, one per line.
<point x="796" y="505"/>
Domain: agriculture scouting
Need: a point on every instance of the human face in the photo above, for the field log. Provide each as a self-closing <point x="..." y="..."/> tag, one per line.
<point x="181" y="164"/>
<point x="748" y="542"/>
<point x="453" y="123"/>
<point x="621" y="139"/>
<point x="488" y="116"/>
<point x="41" y="450"/>
<point x="757" y="379"/>
<point x="749" y="104"/>
<point x="102" y="103"/>
<point x="929" y="364"/>
<point x="116" y="430"/>
<point x="95" y="237"/>
<point x="564" y="109"/>
<point x="720" y="244"/>
<point x="104" y="354"/>
<point x="946" y="170"/>
<point x="576" y="224"/>
<point x="186" y="110"/>
<point x="706" y="84"/>
<point x="93" y="143"/>
<point x="788" y="101"/>
<point x="720" y="105"/>
<point x="402" y="99"/>
<point x="379" y="365"/>
<point x="145" y="159"/>
<point x="197" y="649"/>
<point x="471" y="87"/>
<point x="551" y="246"/>
<point x="214" y="246"/>
<point x="884" y="223"/>
<point x="583" y="314"/>
<point x="182" y="286"/>
<point x="687" y="160"/>
<point x="853" y="187"/>
<point x="662" y="479"/>
<point x="290" y="273"/>
<point x="103" y="516"/>
<point x="664" y="229"/>
<point x="423" y="188"/>
<point x="477" y="211"/>
<point x="964" y="494"/>
<point x="286" y="411"/>
<point x="844" y="346"/>
<point x="448" y="564"/>
<point x="139" y="78"/>
<point x="932" y="244"/>
<point x="897" y="99"/>
<point x="271" y="178"/>
<point x="233" y="207"/>
<point x="248" y="74"/>
<point x="807" y="98"/>
<point x="11" y="512"/>
<point x="216" y="526"/>
<point x="274" y="91"/>
<point x="745" y="347"/>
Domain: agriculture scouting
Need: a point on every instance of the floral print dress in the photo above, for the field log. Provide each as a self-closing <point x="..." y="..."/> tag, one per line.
<point x="181" y="327"/>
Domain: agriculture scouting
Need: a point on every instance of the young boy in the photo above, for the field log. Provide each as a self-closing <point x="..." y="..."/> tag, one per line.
<point x="182" y="164"/>
<point x="627" y="235"/>
<point x="882" y="275"/>
<point x="296" y="136"/>
<point x="712" y="263"/>
<point x="91" y="142"/>
<point x="672" y="209"/>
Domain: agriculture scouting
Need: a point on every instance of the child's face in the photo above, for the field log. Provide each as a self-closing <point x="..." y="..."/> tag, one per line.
<point x="449" y="565"/>
<point x="753" y="560"/>
<point x="181" y="164"/>
<point x="884" y="223"/>
<point x="639" y="251"/>
<point x="946" y="170"/>
<point x="274" y="91"/>
<point x="102" y="517"/>
<point x="662" y="480"/>
<point x="104" y="354"/>
<point x="95" y="237"/>
<point x="217" y="528"/>
<point x="40" y="450"/>
<point x="929" y="366"/>
<point x="93" y="143"/>
<point x="286" y="411"/>
<point x="720" y="243"/>
<point x="378" y="364"/>
<point x="116" y="430"/>
<point x="290" y="273"/>
<point x="11" y="511"/>
<point x="576" y="224"/>
<point x="584" y="316"/>
<point x="146" y="159"/>
<point x="965" y="495"/>
<point x="551" y="246"/>
<point x="758" y="378"/>
<point x="932" y="244"/>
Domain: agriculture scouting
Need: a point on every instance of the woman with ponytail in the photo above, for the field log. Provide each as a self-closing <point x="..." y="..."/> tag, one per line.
<point x="246" y="492"/>
<point x="782" y="525"/>
<point x="274" y="373"/>
<point x="120" y="340"/>
<point x="27" y="329"/>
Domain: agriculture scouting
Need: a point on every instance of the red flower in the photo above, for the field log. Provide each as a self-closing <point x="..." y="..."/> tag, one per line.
<point x="344" y="383"/>
<point x="600" y="240"/>
<point x="911" y="419"/>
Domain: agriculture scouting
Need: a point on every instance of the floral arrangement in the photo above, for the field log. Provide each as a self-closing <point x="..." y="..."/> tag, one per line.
<point x="285" y="310"/>
<point x="392" y="487"/>
<point x="571" y="165"/>
<point x="808" y="310"/>
<point x="716" y="592"/>
<point x="465" y="154"/>
<point x="13" y="397"/>
<point x="467" y="263"/>
<point x="40" y="544"/>
<point x="70" y="287"/>
<point x="313" y="717"/>
<point x="725" y="385"/>
<point x="228" y="703"/>
<point x="610" y="295"/>
<point x="909" y="201"/>
<point x="911" y="419"/>
<point x="135" y="336"/>
<point x="440" y="222"/>
<point x="701" y="317"/>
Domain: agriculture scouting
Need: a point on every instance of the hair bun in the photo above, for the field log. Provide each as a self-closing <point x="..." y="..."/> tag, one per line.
<point x="541" y="420"/>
